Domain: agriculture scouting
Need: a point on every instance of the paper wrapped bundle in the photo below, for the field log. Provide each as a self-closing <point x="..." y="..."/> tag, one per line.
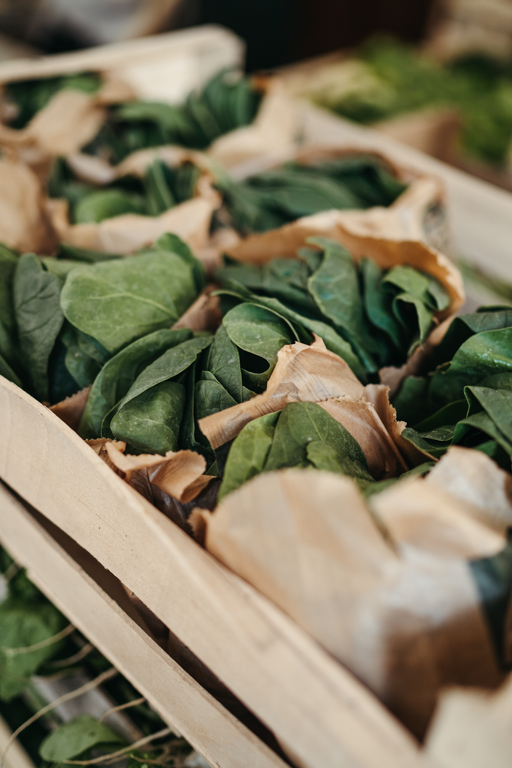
<point x="44" y="118"/>
<point x="409" y="591"/>
<point x="233" y="117"/>
<point x="344" y="285"/>
<point x="373" y="197"/>
<point x="119" y="209"/>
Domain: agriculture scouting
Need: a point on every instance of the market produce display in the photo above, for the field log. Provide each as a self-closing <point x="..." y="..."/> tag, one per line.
<point x="282" y="375"/>
<point x="388" y="78"/>
<point x="273" y="198"/>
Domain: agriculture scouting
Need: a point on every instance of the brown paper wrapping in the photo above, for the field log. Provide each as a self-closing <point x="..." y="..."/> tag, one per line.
<point x="68" y="122"/>
<point x="313" y="374"/>
<point x="388" y="592"/>
<point x="24" y="224"/>
<point x="273" y="129"/>
<point x="129" y="232"/>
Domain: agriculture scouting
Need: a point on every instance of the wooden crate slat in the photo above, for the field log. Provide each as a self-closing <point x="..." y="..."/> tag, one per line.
<point x="318" y="711"/>
<point x="178" y="698"/>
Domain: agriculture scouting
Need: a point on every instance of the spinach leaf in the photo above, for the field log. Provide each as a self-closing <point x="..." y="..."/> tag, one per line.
<point x="77" y="738"/>
<point x="39" y="318"/>
<point x="119" y="301"/>
<point x="274" y="198"/>
<point x="119" y="373"/>
<point x="259" y="335"/>
<point x="151" y="422"/>
<point x="23" y="624"/>
<point x="249" y="453"/>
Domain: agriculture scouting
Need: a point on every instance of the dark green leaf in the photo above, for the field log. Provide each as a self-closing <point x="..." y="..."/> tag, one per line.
<point x="77" y="737"/>
<point x="150" y="422"/>
<point x="39" y="318"/>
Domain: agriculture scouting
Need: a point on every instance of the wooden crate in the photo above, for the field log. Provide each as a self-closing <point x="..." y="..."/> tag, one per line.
<point x="318" y="712"/>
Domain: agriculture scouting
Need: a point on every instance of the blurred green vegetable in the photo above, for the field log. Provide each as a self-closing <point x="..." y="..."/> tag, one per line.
<point x="389" y="78"/>
<point x="30" y="96"/>
<point x="227" y="101"/>
<point x="160" y="189"/>
<point x="273" y="198"/>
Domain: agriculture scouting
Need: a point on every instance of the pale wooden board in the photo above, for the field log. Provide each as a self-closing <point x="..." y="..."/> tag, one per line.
<point x="16" y="756"/>
<point x="318" y="711"/>
<point x="179" y="699"/>
<point x="164" y="66"/>
<point x="480" y="214"/>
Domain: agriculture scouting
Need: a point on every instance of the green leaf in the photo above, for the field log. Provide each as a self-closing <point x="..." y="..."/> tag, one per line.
<point x="22" y="625"/>
<point x="259" y="333"/>
<point x="303" y="424"/>
<point x="119" y="373"/>
<point x="172" y="363"/>
<point x="105" y="204"/>
<point x="39" y="318"/>
<point x="76" y="738"/>
<point x="151" y="421"/>
<point x="211" y="397"/>
<point x="119" y="301"/>
<point x="224" y="363"/>
<point x="249" y="453"/>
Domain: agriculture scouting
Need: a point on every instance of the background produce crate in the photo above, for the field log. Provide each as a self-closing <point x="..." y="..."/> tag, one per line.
<point x="83" y="533"/>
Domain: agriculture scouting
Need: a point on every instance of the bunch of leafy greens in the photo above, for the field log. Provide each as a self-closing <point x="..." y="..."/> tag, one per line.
<point x="394" y="79"/>
<point x="277" y="197"/>
<point x="466" y="399"/>
<point x="301" y="435"/>
<point x="62" y="319"/>
<point x="152" y="393"/>
<point x="30" y="96"/>
<point x="36" y="641"/>
<point x="368" y="316"/>
<point x="161" y="188"/>
<point x="228" y="101"/>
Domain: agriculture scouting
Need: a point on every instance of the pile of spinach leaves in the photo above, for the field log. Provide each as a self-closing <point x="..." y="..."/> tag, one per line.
<point x="466" y="397"/>
<point x="28" y="97"/>
<point x="273" y="198"/>
<point x="61" y="319"/>
<point x="161" y="188"/>
<point x="152" y="393"/>
<point x="228" y="101"/>
<point x="368" y="316"/>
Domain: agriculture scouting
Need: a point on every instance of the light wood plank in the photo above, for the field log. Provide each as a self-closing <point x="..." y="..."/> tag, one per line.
<point x="16" y="756"/>
<point x="318" y="711"/>
<point x="480" y="214"/>
<point x="181" y="702"/>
